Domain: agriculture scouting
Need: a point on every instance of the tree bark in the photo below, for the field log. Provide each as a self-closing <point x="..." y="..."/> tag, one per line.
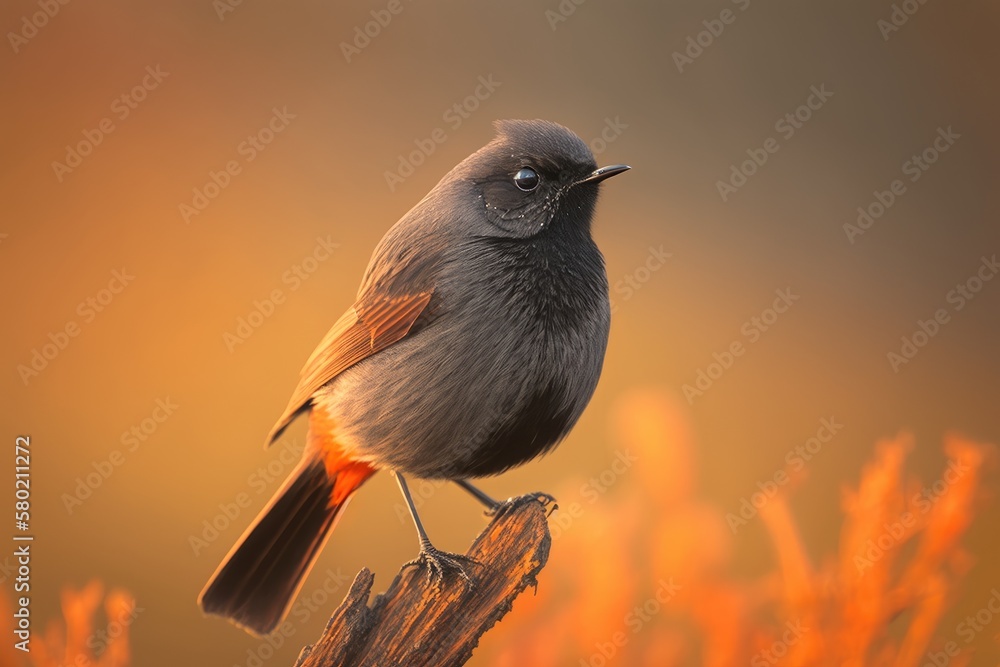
<point x="419" y="622"/>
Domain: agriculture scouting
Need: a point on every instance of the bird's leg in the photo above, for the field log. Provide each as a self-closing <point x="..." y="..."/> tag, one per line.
<point x="438" y="563"/>
<point x="493" y="507"/>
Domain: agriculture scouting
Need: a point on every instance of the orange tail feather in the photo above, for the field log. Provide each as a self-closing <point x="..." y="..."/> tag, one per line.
<point x="259" y="578"/>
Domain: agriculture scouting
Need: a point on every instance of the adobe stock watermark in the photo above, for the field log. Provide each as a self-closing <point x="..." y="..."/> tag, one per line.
<point x="592" y="491"/>
<point x="132" y="439"/>
<point x="305" y="606"/>
<point x="263" y="478"/>
<point x="454" y="116"/>
<point x="30" y="25"/>
<point x="898" y="17"/>
<point x="293" y="278"/>
<point x="632" y="282"/>
<point x="7" y="569"/>
<point x="87" y="310"/>
<point x="967" y="630"/>
<point x="422" y="490"/>
<point x="786" y="127"/>
<point x="752" y="330"/>
<point x="897" y="532"/>
<point x="562" y="12"/>
<point x="121" y="108"/>
<point x="795" y="460"/>
<point x="368" y="31"/>
<point x="248" y="150"/>
<point x="973" y="625"/>
<point x="99" y="641"/>
<point x="958" y="297"/>
<point x="914" y="168"/>
<point x="225" y="7"/>
<point x="696" y="44"/>
<point x="778" y="649"/>
<point x="609" y="134"/>
<point x="561" y="520"/>
<point x="632" y="624"/>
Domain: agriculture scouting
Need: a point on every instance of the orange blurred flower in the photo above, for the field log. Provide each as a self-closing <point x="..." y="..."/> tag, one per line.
<point x="646" y="581"/>
<point x="76" y="642"/>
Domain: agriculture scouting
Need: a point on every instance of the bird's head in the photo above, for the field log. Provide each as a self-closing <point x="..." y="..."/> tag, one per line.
<point x="535" y="175"/>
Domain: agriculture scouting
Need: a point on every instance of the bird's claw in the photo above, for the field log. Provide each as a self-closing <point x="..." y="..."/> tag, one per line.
<point x="440" y="565"/>
<point x="547" y="501"/>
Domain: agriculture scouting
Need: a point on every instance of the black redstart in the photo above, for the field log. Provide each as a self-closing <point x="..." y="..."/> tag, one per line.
<point x="475" y="343"/>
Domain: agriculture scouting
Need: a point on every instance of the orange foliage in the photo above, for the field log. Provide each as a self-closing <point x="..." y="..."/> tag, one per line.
<point x="75" y="642"/>
<point x="602" y="600"/>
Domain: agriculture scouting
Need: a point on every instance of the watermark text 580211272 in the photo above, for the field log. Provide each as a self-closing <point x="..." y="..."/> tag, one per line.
<point x="22" y="542"/>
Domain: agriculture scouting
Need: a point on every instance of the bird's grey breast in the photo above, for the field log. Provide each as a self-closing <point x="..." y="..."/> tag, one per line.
<point x="497" y="374"/>
<point x="536" y="316"/>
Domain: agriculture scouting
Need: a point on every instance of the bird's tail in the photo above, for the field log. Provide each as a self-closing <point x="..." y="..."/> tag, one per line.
<point x="257" y="581"/>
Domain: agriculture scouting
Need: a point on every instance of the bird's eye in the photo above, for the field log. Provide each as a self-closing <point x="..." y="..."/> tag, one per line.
<point x="526" y="179"/>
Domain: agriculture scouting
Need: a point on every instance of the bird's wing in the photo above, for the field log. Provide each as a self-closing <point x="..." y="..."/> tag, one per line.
<point x="369" y="326"/>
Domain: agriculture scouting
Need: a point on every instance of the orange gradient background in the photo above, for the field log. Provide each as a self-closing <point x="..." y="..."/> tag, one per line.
<point x="323" y="176"/>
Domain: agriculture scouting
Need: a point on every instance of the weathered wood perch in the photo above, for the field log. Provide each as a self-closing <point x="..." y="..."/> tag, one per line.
<point x="417" y="623"/>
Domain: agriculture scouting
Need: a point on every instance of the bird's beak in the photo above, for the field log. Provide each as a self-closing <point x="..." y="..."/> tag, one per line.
<point x="599" y="175"/>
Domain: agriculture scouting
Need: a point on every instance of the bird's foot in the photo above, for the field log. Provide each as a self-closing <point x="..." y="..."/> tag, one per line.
<point x="547" y="501"/>
<point x="441" y="565"/>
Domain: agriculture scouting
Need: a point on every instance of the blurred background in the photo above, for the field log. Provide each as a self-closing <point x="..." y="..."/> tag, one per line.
<point x="192" y="191"/>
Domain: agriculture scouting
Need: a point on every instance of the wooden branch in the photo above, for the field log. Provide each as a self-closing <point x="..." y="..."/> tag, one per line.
<point x="417" y="622"/>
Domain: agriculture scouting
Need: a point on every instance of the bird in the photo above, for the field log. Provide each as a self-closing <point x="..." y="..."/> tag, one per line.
<point x="474" y="344"/>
